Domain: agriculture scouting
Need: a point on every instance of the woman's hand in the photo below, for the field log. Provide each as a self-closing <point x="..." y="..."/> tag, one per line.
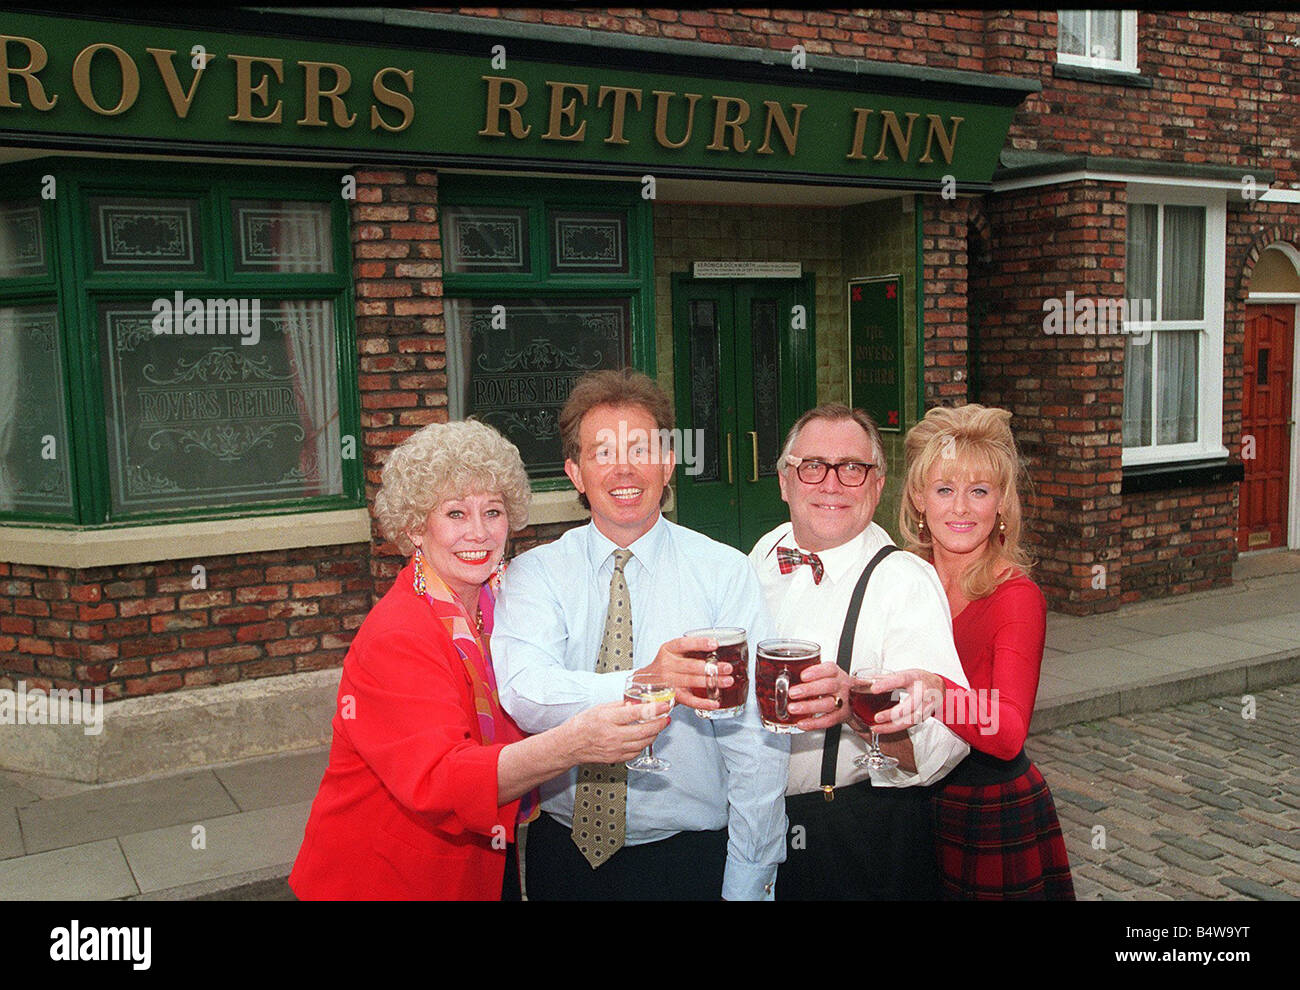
<point x="821" y="697"/>
<point x="614" y="732"/>
<point x="924" y="697"/>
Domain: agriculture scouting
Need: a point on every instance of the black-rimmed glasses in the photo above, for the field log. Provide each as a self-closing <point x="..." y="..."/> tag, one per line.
<point x="813" y="472"/>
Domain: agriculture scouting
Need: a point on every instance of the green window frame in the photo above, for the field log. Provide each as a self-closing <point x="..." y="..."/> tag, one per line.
<point x="233" y="404"/>
<point x="551" y="255"/>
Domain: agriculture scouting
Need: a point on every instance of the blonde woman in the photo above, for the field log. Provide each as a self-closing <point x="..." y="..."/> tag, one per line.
<point x="996" y="830"/>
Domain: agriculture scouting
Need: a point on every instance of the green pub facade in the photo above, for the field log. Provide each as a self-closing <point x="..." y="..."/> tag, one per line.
<point x="241" y="258"/>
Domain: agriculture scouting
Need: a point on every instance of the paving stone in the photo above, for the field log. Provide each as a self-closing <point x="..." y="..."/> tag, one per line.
<point x="1251" y="854"/>
<point x="1262" y="803"/>
<point x="1239" y="831"/>
<point x="1169" y="797"/>
<point x="1197" y="756"/>
<point x="1195" y="847"/>
<point x="1256" y="787"/>
<point x="1142" y="858"/>
<point x="1255" y="890"/>
<point x="1225" y="801"/>
<point x="1186" y="861"/>
<point x="1078" y="800"/>
<point x="1195" y="886"/>
<point x="1266" y="874"/>
<point x="1278" y="851"/>
<point x="1131" y="871"/>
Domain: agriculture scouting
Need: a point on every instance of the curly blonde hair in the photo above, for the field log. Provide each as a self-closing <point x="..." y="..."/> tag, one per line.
<point x="444" y="461"/>
<point x="974" y="439"/>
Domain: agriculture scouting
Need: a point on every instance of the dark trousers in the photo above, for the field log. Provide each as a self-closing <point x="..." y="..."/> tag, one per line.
<point x="687" y="866"/>
<point x="869" y="844"/>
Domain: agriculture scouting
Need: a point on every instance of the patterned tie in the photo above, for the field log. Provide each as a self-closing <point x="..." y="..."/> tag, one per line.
<point x="788" y="560"/>
<point x="600" y="806"/>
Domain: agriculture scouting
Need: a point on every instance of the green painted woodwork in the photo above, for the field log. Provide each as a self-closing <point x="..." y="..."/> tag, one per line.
<point x="731" y="364"/>
<point x="79" y="290"/>
<point x="98" y="82"/>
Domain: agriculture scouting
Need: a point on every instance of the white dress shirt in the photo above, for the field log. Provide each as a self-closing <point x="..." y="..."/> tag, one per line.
<point x="904" y="620"/>
<point x="548" y="626"/>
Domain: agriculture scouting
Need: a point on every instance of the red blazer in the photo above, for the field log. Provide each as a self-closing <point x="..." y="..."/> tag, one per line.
<point x="408" y="804"/>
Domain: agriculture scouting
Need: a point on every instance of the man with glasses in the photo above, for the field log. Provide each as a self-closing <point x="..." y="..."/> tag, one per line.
<point x="854" y="834"/>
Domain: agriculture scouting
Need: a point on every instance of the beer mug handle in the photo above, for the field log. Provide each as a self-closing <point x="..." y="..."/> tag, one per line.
<point x="782" y="693"/>
<point x="711" y="672"/>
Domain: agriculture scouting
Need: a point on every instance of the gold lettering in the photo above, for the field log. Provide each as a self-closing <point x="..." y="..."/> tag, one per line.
<point x="892" y="130"/>
<point x="181" y="100"/>
<point x="661" y="117"/>
<point x="722" y="120"/>
<point x="36" y="59"/>
<point x="313" y="94"/>
<point x="859" y="133"/>
<point x="790" y="136"/>
<point x="492" y="117"/>
<point x="394" y="99"/>
<point x="566" y="111"/>
<point x="618" y="111"/>
<point x="81" y="79"/>
<point x="245" y="90"/>
<point x="946" y="141"/>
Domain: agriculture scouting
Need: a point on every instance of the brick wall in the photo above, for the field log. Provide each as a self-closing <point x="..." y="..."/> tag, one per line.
<point x="144" y="628"/>
<point x="944" y="255"/>
<point x="1065" y="392"/>
<point x="1178" y="541"/>
<point x="939" y="39"/>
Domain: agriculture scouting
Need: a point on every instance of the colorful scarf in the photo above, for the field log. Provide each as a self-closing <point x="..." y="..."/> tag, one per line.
<point x="472" y="644"/>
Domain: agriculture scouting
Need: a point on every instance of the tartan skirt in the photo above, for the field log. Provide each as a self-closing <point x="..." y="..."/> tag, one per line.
<point x="1001" y="841"/>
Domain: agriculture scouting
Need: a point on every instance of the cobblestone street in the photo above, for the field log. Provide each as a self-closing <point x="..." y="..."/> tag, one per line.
<point x="1196" y="801"/>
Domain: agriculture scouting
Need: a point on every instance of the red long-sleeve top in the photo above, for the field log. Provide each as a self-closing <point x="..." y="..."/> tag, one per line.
<point x="408" y="807"/>
<point x="999" y="641"/>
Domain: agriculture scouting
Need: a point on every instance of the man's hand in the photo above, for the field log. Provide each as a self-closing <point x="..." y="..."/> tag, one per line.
<point x="821" y="697"/>
<point x="923" y="697"/>
<point x="615" y="732"/>
<point x="685" y="673"/>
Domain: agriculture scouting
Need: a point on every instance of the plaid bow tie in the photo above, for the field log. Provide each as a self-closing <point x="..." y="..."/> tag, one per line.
<point x="788" y="560"/>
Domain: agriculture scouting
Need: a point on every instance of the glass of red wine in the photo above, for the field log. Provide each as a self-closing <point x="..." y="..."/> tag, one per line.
<point x="866" y="705"/>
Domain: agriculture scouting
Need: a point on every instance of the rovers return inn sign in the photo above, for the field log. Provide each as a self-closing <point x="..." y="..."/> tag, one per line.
<point x="74" y="83"/>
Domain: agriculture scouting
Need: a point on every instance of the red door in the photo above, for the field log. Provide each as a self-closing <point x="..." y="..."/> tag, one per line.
<point x="1266" y="418"/>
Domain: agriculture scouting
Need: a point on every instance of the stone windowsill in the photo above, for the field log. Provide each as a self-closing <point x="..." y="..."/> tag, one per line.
<point x="81" y="548"/>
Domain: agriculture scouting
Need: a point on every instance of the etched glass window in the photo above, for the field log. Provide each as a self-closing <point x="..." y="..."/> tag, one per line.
<point x="766" y="339"/>
<point x="134" y="234"/>
<point x="706" y="399"/>
<point x="35" y="455"/>
<point x="211" y="419"/>
<point x="486" y="239"/>
<point x="281" y="236"/>
<point x="514" y="362"/>
<point x="22" y="240"/>
<point x="587" y="241"/>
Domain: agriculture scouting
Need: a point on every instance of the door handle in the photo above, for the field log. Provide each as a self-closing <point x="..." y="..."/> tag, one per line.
<point x="730" y="475"/>
<point x="753" y="440"/>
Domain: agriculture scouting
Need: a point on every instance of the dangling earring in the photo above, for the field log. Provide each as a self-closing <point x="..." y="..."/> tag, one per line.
<point x="920" y="524"/>
<point x="1002" y="531"/>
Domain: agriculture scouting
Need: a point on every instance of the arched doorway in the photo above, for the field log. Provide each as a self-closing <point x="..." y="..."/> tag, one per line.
<point x="1269" y="505"/>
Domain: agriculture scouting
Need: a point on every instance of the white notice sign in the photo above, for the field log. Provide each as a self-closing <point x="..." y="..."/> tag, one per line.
<point x="749" y="269"/>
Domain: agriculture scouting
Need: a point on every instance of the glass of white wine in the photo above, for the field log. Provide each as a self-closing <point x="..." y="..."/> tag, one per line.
<point x="640" y="689"/>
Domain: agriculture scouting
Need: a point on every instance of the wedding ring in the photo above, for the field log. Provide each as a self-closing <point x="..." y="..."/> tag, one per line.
<point x="839" y="702"/>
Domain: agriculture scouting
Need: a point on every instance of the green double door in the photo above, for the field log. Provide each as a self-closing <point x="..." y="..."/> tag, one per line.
<point x="744" y="371"/>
